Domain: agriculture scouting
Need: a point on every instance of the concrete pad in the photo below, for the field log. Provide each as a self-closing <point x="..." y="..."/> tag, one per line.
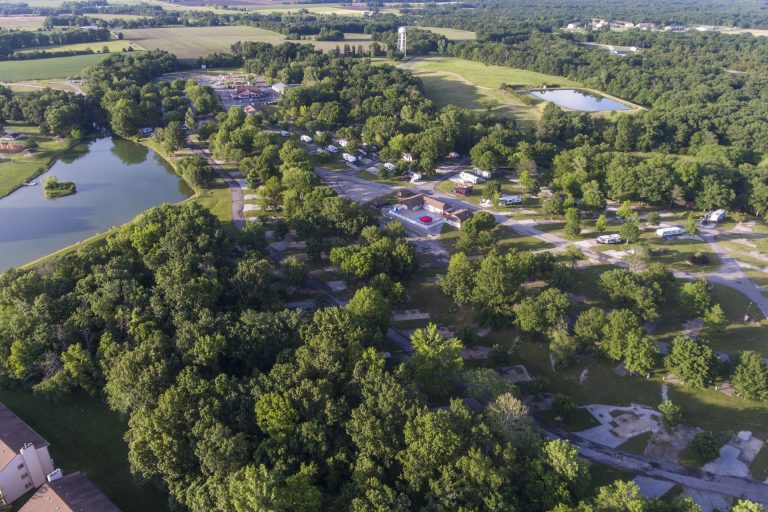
<point x="336" y="286"/>
<point x="602" y="435"/>
<point x="728" y="463"/>
<point x="242" y="183"/>
<point x="250" y="197"/>
<point x="475" y="353"/>
<point x="251" y="207"/>
<point x="708" y="502"/>
<point x="279" y="245"/>
<point x="410" y="314"/>
<point x="652" y="487"/>
<point x="515" y="374"/>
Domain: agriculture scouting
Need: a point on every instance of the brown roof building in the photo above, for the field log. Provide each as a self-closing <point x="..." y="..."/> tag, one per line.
<point x="72" y="493"/>
<point x="434" y="205"/>
<point x="413" y="202"/>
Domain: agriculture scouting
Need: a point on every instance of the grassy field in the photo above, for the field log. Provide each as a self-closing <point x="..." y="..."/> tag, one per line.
<point x="112" y="46"/>
<point x="15" y="168"/>
<point x="85" y="436"/>
<point x="452" y="34"/>
<point x="355" y="40"/>
<point x="41" y="69"/>
<point x="22" y="22"/>
<point x="193" y="42"/>
<point x="475" y="86"/>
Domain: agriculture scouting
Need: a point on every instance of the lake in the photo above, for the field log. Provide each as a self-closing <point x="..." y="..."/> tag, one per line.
<point x="116" y="180"/>
<point x="579" y="100"/>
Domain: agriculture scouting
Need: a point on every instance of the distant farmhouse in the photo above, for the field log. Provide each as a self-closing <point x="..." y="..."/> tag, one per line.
<point x="71" y="493"/>
<point x="24" y="459"/>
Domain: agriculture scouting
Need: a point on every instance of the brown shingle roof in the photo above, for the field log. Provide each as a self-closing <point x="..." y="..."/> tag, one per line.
<point x="72" y="493"/>
<point x="435" y="203"/>
<point x="14" y="434"/>
<point x="413" y="201"/>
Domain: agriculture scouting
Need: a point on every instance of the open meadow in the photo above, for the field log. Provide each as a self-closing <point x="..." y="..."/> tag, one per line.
<point x="23" y="22"/>
<point x="194" y="42"/>
<point x="97" y="46"/>
<point x="41" y="69"/>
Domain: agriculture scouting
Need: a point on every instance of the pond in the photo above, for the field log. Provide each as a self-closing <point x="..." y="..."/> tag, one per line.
<point x="116" y="180"/>
<point x="579" y="100"/>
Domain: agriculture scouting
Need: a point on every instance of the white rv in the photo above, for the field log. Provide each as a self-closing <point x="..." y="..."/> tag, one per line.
<point x="332" y="149"/>
<point x="716" y="216"/>
<point x="306" y="138"/>
<point x="669" y="232"/>
<point x="349" y="158"/>
<point x="510" y="200"/>
<point x="470" y="178"/>
<point x="482" y="173"/>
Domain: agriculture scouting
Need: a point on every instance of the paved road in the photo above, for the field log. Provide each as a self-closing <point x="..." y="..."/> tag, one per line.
<point x="737" y="487"/>
<point x="238" y="219"/>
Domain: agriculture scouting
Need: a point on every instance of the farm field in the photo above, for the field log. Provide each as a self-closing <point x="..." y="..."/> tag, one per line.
<point x="193" y="42"/>
<point x="23" y="22"/>
<point x="41" y="69"/>
<point x="35" y="85"/>
<point x="85" y="436"/>
<point x="96" y="46"/>
<point x="452" y="33"/>
<point x="350" y="39"/>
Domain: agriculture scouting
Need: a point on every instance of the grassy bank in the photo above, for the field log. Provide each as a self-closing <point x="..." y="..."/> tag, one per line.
<point x="55" y="67"/>
<point x="16" y="169"/>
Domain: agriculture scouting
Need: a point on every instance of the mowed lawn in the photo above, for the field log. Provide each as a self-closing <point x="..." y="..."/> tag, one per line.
<point x="490" y="76"/>
<point x="41" y="69"/>
<point x="475" y="86"/>
<point x="194" y="42"/>
<point x="15" y="168"/>
<point x="85" y="436"/>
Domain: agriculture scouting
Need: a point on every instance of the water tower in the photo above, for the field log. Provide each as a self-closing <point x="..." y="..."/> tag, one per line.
<point x="402" y="39"/>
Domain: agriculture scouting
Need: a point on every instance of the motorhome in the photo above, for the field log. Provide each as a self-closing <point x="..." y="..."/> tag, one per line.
<point x="349" y="158"/>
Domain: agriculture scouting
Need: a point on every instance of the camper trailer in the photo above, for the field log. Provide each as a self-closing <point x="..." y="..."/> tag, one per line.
<point x="506" y="200"/>
<point x="470" y="178"/>
<point x="482" y="173"/>
<point x="669" y="232"/>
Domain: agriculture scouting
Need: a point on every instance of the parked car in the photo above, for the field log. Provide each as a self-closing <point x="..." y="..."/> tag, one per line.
<point x="609" y="239"/>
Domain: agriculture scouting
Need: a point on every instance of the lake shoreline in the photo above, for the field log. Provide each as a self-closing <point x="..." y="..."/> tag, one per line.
<point x="99" y="237"/>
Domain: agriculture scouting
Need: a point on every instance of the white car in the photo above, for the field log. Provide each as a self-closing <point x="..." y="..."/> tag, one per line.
<point x="609" y="239"/>
<point x="510" y="200"/>
<point x="285" y="133"/>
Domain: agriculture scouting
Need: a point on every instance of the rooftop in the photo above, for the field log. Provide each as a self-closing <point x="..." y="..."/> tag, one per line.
<point x="14" y="434"/>
<point x="72" y="493"/>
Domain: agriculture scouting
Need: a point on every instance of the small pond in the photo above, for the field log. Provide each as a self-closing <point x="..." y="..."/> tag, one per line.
<point x="116" y="180"/>
<point x="579" y="100"/>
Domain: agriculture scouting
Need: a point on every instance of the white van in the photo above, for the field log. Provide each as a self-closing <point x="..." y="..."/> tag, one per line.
<point x="669" y="232"/>
<point x="609" y="239"/>
<point x="510" y="200"/>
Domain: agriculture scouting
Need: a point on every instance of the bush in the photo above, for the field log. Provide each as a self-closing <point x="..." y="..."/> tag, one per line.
<point x="705" y="447"/>
<point x="564" y="406"/>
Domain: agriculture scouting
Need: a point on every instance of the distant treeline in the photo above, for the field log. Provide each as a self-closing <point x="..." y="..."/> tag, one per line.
<point x="16" y="40"/>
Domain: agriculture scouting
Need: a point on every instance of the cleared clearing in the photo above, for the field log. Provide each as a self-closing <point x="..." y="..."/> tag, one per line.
<point x="451" y="33"/>
<point x="193" y="42"/>
<point x="41" y="69"/>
